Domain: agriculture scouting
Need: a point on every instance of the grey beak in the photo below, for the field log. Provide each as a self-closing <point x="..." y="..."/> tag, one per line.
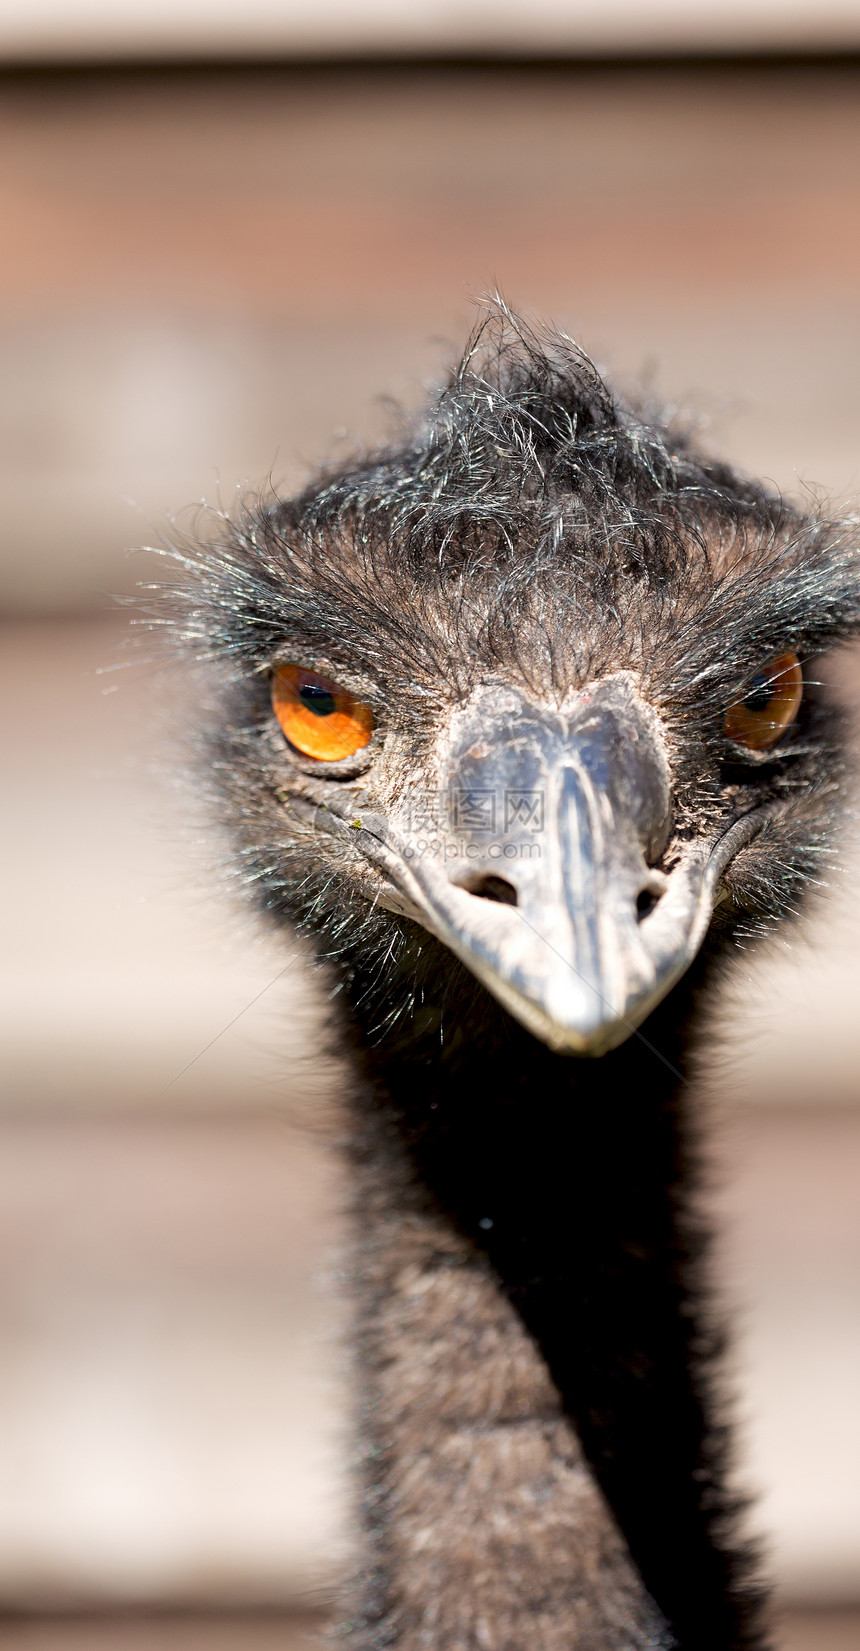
<point x="535" y="862"/>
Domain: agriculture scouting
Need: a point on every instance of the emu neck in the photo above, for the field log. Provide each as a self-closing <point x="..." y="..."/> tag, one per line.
<point x="542" y="1468"/>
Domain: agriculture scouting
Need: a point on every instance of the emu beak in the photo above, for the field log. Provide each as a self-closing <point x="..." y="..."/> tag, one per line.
<point x="535" y="862"/>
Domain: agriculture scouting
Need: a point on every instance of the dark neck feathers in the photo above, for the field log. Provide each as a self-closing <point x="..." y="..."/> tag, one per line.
<point x="538" y="1203"/>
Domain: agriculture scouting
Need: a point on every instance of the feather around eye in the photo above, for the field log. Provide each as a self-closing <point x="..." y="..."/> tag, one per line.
<point x="769" y="705"/>
<point x="318" y="718"/>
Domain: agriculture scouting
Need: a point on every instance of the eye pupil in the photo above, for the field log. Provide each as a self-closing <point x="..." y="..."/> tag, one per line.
<point x="317" y="699"/>
<point x="760" y="693"/>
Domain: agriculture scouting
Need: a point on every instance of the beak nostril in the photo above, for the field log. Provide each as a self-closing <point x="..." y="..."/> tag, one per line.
<point x="646" y="900"/>
<point x="491" y="888"/>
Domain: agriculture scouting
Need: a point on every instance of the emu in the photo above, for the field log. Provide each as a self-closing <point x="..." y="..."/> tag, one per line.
<point x="518" y="720"/>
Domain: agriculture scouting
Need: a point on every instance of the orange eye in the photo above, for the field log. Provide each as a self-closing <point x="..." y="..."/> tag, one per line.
<point x="320" y="719"/>
<point x="769" y="706"/>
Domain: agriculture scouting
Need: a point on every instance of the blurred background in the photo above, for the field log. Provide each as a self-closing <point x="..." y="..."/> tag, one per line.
<point x="231" y="235"/>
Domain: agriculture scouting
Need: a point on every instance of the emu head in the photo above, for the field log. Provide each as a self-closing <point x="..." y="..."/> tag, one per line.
<point x="538" y="683"/>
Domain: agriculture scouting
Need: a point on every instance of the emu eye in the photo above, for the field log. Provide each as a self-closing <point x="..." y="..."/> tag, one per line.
<point x="320" y="719"/>
<point x="769" y="706"/>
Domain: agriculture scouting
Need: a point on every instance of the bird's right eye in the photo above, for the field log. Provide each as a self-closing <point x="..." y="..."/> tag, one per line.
<point x="768" y="706"/>
<point x="318" y="717"/>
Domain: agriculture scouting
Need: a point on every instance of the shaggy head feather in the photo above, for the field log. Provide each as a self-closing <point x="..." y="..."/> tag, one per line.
<point x="536" y="528"/>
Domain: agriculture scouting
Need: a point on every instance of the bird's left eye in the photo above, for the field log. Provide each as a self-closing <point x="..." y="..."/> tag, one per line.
<point x="769" y="704"/>
<point x="318" y="717"/>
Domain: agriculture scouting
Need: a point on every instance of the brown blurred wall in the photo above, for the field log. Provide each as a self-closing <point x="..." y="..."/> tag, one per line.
<point x="204" y="278"/>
